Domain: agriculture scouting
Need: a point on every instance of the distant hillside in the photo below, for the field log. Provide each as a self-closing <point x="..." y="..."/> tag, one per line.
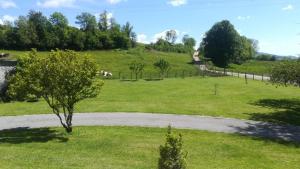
<point x="277" y="57"/>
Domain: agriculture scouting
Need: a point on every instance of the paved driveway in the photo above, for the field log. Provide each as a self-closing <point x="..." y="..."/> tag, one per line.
<point x="225" y="125"/>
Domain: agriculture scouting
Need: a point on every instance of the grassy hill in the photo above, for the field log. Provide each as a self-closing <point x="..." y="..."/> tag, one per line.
<point x="118" y="60"/>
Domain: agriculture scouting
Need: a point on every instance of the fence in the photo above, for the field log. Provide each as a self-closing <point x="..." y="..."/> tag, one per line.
<point x="9" y="63"/>
<point x="130" y="76"/>
<point x="152" y="76"/>
<point x="246" y="75"/>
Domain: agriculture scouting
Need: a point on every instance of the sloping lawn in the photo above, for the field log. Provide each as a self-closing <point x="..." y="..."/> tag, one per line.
<point x="137" y="148"/>
<point x="256" y="101"/>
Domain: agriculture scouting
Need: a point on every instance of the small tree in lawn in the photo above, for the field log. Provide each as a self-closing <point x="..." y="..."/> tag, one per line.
<point x="136" y="68"/>
<point x="62" y="79"/>
<point x="171" y="154"/>
<point x="163" y="66"/>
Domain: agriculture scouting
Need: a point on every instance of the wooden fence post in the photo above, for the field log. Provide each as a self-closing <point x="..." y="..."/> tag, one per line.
<point x="253" y="76"/>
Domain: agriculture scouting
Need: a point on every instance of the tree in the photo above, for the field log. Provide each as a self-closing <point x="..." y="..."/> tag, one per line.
<point x="59" y="29"/>
<point x="171" y="154"/>
<point x="287" y="72"/>
<point x="86" y="21"/>
<point x="103" y="23"/>
<point x="62" y="79"/>
<point x="128" y="30"/>
<point x="58" y="19"/>
<point x="136" y="68"/>
<point x="23" y="32"/>
<point x="163" y="66"/>
<point x="38" y="30"/>
<point x="171" y="36"/>
<point x="189" y="42"/>
<point x="223" y="45"/>
<point x="243" y="50"/>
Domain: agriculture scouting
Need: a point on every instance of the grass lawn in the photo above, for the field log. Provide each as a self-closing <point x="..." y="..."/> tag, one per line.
<point x="125" y="147"/>
<point x="256" y="67"/>
<point x="195" y="96"/>
<point x="118" y="60"/>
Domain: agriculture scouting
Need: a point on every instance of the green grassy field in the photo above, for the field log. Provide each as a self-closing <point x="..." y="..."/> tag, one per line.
<point x="125" y="147"/>
<point x="195" y="96"/>
<point x="252" y="66"/>
<point x="118" y="60"/>
<point x="256" y="67"/>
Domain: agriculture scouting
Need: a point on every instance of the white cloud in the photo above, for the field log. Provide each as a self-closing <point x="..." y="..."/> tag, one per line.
<point x="243" y="18"/>
<point x="115" y="1"/>
<point x="7" y="4"/>
<point x="288" y="8"/>
<point x="177" y="2"/>
<point x="142" y="38"/>
<point x="56" y="3"/>
<point x="7" y="18"/>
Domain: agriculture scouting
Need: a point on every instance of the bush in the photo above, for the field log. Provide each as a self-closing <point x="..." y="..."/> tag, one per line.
<point x="171" y="154"/>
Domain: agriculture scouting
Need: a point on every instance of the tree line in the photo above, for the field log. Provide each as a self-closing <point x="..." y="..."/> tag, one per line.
<point x="167" y="43"/>
<point x="37" y="31"/>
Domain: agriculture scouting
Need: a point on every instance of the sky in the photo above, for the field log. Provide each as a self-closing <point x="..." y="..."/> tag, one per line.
<point x="274" y="23"/>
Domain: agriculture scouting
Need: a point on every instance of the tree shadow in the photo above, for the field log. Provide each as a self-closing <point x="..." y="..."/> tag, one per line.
<point x="283" y="134"/>
<point x="28" y="135"/>
<point x="286" y="111"/>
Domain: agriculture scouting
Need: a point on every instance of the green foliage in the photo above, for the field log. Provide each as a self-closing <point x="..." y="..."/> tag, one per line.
<point x="224" y="45"/>
<point x="168" y="44"/>
<point x="189" y="42"/>
<point x="62" y="79"/>
<point x="163" y="66"/>
<point x="265" y="57"/>
<point x="171" y="154"/>
<point x="171" y="36"/>
<point x="287" y="72"/>
<point x="37" y="31"/>
<point x="136" y="68"/>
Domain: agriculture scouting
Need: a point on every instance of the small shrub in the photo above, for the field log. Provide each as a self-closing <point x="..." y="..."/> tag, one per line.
<point x="171" y="154"/>
<point x="163" y="66"/>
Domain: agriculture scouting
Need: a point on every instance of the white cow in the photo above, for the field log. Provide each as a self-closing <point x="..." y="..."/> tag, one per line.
<point x="106" y="74"/>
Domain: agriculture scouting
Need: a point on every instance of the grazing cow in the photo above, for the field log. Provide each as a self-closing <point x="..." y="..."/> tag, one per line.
<point x="106" y="74"/>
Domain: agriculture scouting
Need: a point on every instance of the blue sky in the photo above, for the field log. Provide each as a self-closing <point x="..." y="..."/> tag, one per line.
<point x="275" y="23"/>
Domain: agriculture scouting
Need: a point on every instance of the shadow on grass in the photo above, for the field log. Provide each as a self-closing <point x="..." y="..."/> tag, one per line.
<point x="286" y="111"/>
<point x="28" y="135"/>
<point x="154" y="79"/>
<point x="283" y="134"/>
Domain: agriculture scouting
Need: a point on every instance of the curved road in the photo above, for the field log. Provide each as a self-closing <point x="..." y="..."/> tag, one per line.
<point x="225" y="125"/>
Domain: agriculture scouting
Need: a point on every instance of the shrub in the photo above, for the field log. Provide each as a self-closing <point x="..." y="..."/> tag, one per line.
<point x="163" y="66"/>
<point x="171" y="154"/>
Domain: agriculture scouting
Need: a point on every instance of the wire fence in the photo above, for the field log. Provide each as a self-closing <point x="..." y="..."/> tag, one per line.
<point x="152" y="76"/>
<point x="131" y="76"/>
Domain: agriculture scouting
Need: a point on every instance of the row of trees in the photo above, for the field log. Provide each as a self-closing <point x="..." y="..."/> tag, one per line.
<point x="37" y="31"/>
<point x="224" y="45"/>
<point x="138" y="67"/>
<point x="167" y="44"/>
